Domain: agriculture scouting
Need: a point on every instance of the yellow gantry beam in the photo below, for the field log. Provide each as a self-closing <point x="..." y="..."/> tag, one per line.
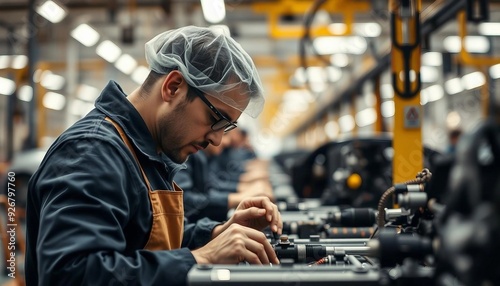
<point x="406" y="53"/>
<point x="277" y="9"/>
<point x="481" y="62"/>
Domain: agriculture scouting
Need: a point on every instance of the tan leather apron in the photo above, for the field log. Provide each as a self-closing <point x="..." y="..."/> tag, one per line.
<point x="167" y="206"/>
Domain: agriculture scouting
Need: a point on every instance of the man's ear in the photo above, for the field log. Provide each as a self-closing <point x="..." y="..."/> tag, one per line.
<point x="171" y="86"/>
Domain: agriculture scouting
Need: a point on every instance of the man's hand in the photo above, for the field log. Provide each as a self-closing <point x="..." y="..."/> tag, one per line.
<point x="240" y="238"/>
<point x="237" y="244"/>
<point x="256" y="213"/>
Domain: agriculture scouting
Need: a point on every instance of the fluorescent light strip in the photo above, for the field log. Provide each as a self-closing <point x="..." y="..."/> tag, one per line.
<point x="126" y="64"/>
<point x="473" y="44"/>
<point x="85" y="35"/>
<point x="355" y="45"/>
<point x="7" y="86"/>
<point x="108" y="51"/>
<point x="366" y="117"/>
<point x="19" y="62"/>
<point x="87" y="93"/>
<point x="473" y="80"/>
<point x="51" y="11"/>
<point x="25" y="93"/>
<point x="489" y="29"/>
<point x="432" y="59"/>
<point x="140" y="74"/>
<point x="52" y="81"/>
<point x="54" y="101"/>
<point x="495" y="71"/>
<point x="214" y="11"/>
<point x="453" y="86"/>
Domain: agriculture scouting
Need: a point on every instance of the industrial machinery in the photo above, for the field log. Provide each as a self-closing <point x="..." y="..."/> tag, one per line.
<point x="417" y="240"/>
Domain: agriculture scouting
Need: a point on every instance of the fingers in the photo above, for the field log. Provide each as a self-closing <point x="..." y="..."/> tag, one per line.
<point x="253" y="246"/>
<point x="263" y="247"/>
<point x="260" y="253"/>
<point x="272" y="215"/>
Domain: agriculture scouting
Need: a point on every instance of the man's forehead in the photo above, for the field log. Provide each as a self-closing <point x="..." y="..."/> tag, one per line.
<point x="235" y="99"/>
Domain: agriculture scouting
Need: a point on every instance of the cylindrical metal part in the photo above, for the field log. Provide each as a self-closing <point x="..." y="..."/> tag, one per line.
<point x="412" y="200"/>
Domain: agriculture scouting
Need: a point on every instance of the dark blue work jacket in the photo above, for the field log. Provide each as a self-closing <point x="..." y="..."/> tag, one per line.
<point x="88" y="210"/>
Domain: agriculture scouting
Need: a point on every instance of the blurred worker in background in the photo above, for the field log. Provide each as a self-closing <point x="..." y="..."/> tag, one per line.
<point x="103" y="207"/>
<point x="207" y="196"/>
<point x="453" y="137"/>
<point x="232" y="168"/>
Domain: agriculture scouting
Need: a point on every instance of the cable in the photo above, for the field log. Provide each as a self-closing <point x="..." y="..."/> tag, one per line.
<point x="422" y="177"/>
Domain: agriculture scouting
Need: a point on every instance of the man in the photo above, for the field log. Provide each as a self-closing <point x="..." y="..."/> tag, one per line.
<point x="103" y="209"/>
<point x="208" y="197"/>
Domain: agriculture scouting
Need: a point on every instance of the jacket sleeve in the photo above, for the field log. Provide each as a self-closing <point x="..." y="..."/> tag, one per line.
<point x="199" y="202"/>
<point x="85" y="200"/>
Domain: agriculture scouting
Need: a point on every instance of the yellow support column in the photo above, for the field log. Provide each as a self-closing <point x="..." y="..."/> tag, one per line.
<point x="406" y="53"/>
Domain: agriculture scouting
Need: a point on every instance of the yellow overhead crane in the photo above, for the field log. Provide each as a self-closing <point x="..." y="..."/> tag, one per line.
<point x="405" y="61"/>
<point x="276" y="9"/>
<point x="482" y="63"/>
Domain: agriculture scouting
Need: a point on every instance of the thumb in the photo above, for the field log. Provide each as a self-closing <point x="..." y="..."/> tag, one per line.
<point x="253" y="212"/>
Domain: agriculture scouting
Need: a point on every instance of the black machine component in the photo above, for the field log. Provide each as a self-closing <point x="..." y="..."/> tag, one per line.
<point x="353" y="217"/>
<point x="389" y="248"/>
<point x="469" y="224"/>
<point x="285" y="249"/>
<point x="354" y="172"/>
<point x="347" y="223"/>
<point x="444" y="240"/>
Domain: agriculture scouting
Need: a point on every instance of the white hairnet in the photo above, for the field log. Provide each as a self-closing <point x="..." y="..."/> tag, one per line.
<point x="211" y="62"/>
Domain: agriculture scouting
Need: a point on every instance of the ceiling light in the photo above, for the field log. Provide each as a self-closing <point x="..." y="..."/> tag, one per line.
<point x="388" y="109"/>
<point x="80" y="107"/>
<point x="433" y="59"/>
<point x="333" y="74"/>
<point x="4" y="62"/>
<point x="140" y="74"/>
<point x="108" y="51"/>
<point x="25" y="93"/>
<point x="7" y="86"/>
<point x="369" y="30"/>
<point x="495" y="71"/>
<point x="355" y="45"/>
<point x="51" y="11"/>
<point x="316" y="74"/>
<point x="126" y="64"/>
<point x="431" y="93"/>
<point x="19" y="62"/>
<point x="473" y="44"/>
<point x="489" y="29"/>
<point x="87" y="93"/>
<point x="337" y="28"/>
<point x="214" y="11"/>
<point x="55" y="101"/>
<point x="332" y="129"/>
<point x="453" y="86"/>
<point x="473" y="80"/>
<point x="366" y="117"/>
<point x="339" y="60"/>
<point x="346" y="123"/>
<point x="428" y="74"/>
<point x="386" y="91"/>
<point x="85" y="35"/>
<point x="52" y="81"/>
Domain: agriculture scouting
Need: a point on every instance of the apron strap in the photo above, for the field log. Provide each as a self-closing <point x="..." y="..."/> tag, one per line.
<point x="131" y="148"/>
